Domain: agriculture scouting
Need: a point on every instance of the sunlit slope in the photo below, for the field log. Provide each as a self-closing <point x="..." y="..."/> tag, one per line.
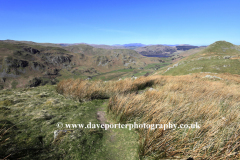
<point x="211" y="101"/>
<point x="22" y="62"/>
<point x="219" y="57"/>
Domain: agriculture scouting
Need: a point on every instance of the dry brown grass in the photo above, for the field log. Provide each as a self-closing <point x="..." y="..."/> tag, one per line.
<point x="3" y="140"/>
<point x="88" y="90"/>
<point x="178" y="100"/>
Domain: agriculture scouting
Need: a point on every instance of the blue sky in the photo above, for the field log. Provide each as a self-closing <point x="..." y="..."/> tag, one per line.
<point x="196" y="22"/>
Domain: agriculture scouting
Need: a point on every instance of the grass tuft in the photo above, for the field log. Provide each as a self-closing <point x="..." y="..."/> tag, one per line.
<point x="188" y="99"/>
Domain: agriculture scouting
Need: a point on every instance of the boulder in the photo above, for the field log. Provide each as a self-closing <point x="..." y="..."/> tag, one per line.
<point x="35" y="82"/>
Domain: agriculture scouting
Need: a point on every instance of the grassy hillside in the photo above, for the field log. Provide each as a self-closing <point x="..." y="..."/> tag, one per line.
<point x="29" y="118"/>
<point x="172" y="100"/>
<point x="219" y="57"/>
<point x="28" y="63"/>
<point x="195" y="115"/>
<point x="20" y="63"/>
<point x="189" y="52"/>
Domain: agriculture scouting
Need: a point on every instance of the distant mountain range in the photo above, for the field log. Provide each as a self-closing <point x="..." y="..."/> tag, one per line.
<point x="126" y="45"/>
<point x="131" y="45"/>
<point x="143" y="49"/>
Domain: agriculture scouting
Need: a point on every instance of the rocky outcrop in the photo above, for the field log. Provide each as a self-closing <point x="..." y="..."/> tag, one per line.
<point x="35" y="82"/>
<point x="127" y="60"/>
<point x="40" y="81"/>
<point x="22" y="63"/>
<point x="102" y="60"/>
<point x="11" y="66"/>
<point x="10" y="75"/>
<point x="37" y="66"/>
<point x="10" y="62"/>
<point x="31" y="50"/>
<point x="58" y="60"/>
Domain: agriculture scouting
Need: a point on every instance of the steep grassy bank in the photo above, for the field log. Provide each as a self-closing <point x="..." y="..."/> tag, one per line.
<point x="212" y="102"/>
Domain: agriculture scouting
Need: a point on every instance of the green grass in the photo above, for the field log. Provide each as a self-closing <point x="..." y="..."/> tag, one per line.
<point x="207" y="65"/>
<point x="121" y="144"/>
<point x="34" y="112"/>
<point x="115" y="74"/>
<point x="156" y="65"/>
<point x="65" y="74"/>
<point x="32" y="115"/>
<point x="122" y="70"/>
<point x="210" y="59"/>
<point x="18" y="45"/>
<point x="124" y="73"/>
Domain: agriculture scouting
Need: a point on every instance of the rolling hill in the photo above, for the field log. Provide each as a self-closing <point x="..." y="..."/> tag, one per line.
<point x="219" y="57"/>
<point x="156" y="50"/>
<point x="28" y="63"/>
<point x="165" y="117"/>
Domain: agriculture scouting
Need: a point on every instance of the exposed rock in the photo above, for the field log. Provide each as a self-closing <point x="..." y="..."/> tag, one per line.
<point x="13" y="66"/>
<point x="35" y="82"/>
<point x="152" y="89"/>
<point x="10" y="62"/>
<point x="175" y="65"/>
<point x="57" y="60"/>
<point x="11" y="75"/>
<point x="31" y="50"/>
<point x="226" y="65"/>
<point x="227" y="57"/>
<point x="102" y="60"/>
<point x="54" y="71"/>
<point x="90" y="70"/>
<point x="126" y="64"/>
<point x="212" y="77"/>
<point x="147" y="74"/>
<point x="22" y="63"/>
<point x="195" y="68"/>
<point x="37" y="66"/>
<point x="3" y="79"/>
<point x="89" y="78"/>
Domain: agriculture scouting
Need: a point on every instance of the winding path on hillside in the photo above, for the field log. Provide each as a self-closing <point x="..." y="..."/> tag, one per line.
<point x="121" y="143"/>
